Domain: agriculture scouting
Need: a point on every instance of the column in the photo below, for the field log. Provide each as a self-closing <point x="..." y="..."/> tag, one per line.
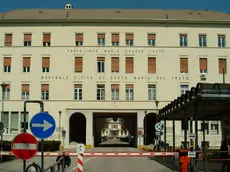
<point x="140" y="125"/>
<point x="89" y="129"/>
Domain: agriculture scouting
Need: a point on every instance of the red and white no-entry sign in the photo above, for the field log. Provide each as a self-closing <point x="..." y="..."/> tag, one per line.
<point x="24" y="146"/>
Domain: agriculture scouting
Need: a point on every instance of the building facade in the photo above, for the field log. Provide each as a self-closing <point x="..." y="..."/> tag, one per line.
<point x="97" y="61"/>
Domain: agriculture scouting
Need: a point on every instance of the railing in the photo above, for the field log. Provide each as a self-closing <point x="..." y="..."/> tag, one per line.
<point x="59" y="166"/>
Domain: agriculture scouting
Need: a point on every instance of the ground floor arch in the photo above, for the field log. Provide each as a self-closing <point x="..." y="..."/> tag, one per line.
<point x="149" y="128"/>
<point x="77" y="128"/>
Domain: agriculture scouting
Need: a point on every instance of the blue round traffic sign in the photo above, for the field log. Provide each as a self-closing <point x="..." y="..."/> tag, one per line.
<point x="42" y="125"/>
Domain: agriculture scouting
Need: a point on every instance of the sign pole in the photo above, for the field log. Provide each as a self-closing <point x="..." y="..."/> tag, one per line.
<point x="42" y="155"/>
<point x="24" y="127"/>
<point x="42" y="125"/>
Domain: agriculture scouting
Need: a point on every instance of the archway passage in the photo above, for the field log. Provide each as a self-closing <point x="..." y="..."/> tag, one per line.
<point x="115" y="129"/>
<point x="77" y="128"/>
<point x="149" y="128"/>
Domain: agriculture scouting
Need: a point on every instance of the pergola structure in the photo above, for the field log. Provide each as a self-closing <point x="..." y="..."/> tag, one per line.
<point x="206" y="101"/>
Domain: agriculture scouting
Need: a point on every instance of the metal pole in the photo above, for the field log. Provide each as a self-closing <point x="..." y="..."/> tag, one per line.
<point x="205" y="150"/>
<point x="59" y="134"/>
<point x="24" y="130"/>
<point x="165" y="133"/>
<point x="173" y="131"/>
<point x="223" y="74"/>
<point x="158" y="137"/>
<point x="3" y="85"/>
<point x="186" y="129"/>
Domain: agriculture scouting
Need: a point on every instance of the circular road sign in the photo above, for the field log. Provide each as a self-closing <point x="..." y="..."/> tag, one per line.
<point x="24" y="146"/>
<point x="140" y="132"/>
<point x="159" y="126"/>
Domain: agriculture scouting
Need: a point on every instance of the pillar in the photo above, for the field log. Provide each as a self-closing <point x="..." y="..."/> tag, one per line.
<point x="89" y="129"/>
<point x="140" y="125"/>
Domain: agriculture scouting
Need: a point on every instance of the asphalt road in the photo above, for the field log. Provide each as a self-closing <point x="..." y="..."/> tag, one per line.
<point x="121" y="164"/>
<point x="98" y="164"/>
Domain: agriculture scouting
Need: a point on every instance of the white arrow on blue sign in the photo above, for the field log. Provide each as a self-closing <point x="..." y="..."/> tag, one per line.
<point x="42" y="125"/>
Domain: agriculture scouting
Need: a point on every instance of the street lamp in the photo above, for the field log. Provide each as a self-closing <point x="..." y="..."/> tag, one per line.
<point x="59" y="136"/>
<point x="3" y="85"/>
<point x="145" y="129"/>
<point x="158" y="137"/>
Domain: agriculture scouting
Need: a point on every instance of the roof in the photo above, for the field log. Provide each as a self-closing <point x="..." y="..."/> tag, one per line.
<point x="113" y="14"/>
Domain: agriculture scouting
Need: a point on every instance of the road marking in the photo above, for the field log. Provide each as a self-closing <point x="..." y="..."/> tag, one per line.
<point x="88" y="159"/>
<point x="24" y="146"/>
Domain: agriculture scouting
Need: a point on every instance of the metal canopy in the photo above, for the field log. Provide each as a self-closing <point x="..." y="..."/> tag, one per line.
<point x="208" y="101"/>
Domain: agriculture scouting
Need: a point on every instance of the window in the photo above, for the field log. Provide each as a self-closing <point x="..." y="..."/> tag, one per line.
<point x="100" y="91"/>
<point x="183" y="40"/>
<point x="151" y="92"/>
<point x="8" y="40"/>
<point x="45" y="91"/>
<point x="203" y="65"/>
<point x="14" y="122"/>
<point x="183" y="89"/>
<point x="115" y="91"/>
<point x="183" y="65"/>
<point x="45" y="64"/>
<point x="129" y="65"/>
<point x="7" y="92"/>
<point x="7" y="64"/>
<point x="205" y="126"/>
<point x="5" y="121"/>
<point x="202" y="41"/>
<point x="101" y="39"/>
<point x="46" y="39"/>
<point x="214" y="127"/>
<point x="77" y="91"/>
<point x="115" y="64"/>
<point x="25" y="91"/>
<point x="151" y="65"/>
<point x="27" y="40"/>
<point x="101" y="64"/>
<point x="26" y="64"/>
<point x="78" y="64"/>
<point x="114" y="126"/>
<point x="221" y="40"/>
<point x="129" y="92"/>
<point x="222" y="66"/>
<point x="169" y="130"/>
<point x="79" y="39"/>
<point x="151" y="39"/>
<point x="115" y="39"/>
<point x="129" y="39"/>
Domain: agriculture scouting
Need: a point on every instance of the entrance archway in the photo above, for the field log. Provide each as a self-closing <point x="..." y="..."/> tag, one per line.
<point x="149" y="128"/>
<point x="77" y="128"/>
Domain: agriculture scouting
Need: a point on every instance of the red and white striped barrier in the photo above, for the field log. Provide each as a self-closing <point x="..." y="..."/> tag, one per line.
<point x="80" y="163"/>
<point x="103" y="154"/>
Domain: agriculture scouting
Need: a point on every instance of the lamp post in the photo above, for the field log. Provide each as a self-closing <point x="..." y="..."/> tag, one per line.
<point x="3" y="85"/>
<point x="59" y="133"/>
<point x="145" y="129"/>
<point x="158" y="137"/>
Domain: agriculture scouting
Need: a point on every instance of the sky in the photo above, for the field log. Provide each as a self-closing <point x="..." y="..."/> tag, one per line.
<point x="217" y="5"/>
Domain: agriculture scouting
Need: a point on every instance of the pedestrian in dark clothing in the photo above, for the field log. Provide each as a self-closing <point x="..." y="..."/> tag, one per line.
<point x="224" y="154"/>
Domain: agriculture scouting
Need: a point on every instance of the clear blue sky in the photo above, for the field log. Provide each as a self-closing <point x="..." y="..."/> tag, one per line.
<point x="218" y="5"/>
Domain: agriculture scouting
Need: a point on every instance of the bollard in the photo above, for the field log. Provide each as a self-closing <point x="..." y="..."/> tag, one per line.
<point x="184" y="160"/>
<point x="80" y="163"/>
